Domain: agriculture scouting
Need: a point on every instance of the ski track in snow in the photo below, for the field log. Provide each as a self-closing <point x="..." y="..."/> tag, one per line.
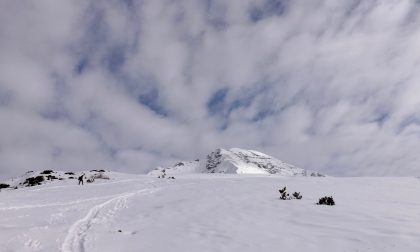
<point x="75" y="185"/>
<point x="76" y="236"/>
<point x="58" y="204"/>
<point x="66" y="203"/>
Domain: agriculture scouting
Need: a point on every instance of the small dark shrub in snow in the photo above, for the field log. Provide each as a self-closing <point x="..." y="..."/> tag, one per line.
<point x="329" y="201"/>
<point x="171" y="177"/>
<point x="2" y="186"/>
<point x="71" y="177"/>
<point x="297" y="195"/>
<point x="69" y="173"/>
<point x="282" y="190"/>
<point x="47" y="172"/>
<point x="284" y="195"/>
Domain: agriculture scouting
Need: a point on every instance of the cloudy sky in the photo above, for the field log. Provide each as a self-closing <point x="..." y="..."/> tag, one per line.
<point x="327" y="85"/>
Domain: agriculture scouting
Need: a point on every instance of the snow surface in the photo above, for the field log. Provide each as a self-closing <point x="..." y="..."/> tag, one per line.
<point x="212" y="212"/>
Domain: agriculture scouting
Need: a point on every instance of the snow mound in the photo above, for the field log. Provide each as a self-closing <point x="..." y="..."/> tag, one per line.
<point x="235" y="161"/>
<point x="37" y="178"/>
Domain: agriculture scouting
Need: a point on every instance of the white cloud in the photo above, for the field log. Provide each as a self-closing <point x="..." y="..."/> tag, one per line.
<point x="326" y="85"/>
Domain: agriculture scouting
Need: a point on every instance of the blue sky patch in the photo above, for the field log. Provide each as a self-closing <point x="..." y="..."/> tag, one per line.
<point x="151" y="101"/>
<point x="267" y="9"/>
<point x="81" y="65"/>
<point x="115" y="59"/>
<point x="217" y="101"/>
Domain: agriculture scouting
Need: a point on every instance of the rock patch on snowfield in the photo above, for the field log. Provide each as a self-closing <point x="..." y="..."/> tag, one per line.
<point x="47" y="172"/>
<point x="33" y="181"/>
<point x="37" y="178"/>
<point x="2" y="186"/>
<point x="236" y="161"/>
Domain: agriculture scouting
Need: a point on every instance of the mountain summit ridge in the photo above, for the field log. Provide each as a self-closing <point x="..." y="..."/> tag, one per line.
<point x="236" y="161"/>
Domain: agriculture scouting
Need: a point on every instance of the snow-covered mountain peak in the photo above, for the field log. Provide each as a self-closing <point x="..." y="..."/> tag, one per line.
<point x="236" y="161"/>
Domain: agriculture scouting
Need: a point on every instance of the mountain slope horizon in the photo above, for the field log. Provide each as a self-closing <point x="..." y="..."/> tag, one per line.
<point x="236" y="161"/>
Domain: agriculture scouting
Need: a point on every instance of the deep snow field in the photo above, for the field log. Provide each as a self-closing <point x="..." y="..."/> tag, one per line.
<point x="212" y="212"/>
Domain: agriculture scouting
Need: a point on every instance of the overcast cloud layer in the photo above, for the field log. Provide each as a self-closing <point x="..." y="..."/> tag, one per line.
<point x="127" y="85"/>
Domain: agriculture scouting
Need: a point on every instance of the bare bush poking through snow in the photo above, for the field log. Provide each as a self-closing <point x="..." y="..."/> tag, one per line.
<point x="297" y="195"/>
<point x="284" y="195"/>
<point x="329" y="201"/>
<point x="282" y="190"/>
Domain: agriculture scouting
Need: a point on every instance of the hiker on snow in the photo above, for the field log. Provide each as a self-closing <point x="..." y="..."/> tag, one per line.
<point x="81" y="179"/>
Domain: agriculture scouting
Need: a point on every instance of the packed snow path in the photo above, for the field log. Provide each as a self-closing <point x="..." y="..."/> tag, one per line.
<point x="75" y="238"/>
<point x="213" y="213"/>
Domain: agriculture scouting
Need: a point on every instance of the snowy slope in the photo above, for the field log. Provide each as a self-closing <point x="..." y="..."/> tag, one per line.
<point x="236" y="161"/>
<point x="212" y="212"/>
<point x="36" y="178"/>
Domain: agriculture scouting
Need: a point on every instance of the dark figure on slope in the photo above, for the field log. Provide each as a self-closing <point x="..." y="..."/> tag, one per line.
<point x="81" y="179"/>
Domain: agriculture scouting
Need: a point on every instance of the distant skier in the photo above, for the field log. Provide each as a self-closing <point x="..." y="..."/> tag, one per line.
<point x="81" y="179"/>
